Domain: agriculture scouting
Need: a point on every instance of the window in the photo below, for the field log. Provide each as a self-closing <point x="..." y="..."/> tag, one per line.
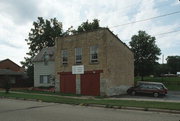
<point x="94" y="54"/>
<point x="46" y="58"/>
<point x="64" y="55"/>
<point x="44" y="79"/>
<point x="78" y="55"/>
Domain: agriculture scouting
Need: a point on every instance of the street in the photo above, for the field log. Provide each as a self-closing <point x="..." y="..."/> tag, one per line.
<point x="19" y="110"/>
<point x="172" y="96"/>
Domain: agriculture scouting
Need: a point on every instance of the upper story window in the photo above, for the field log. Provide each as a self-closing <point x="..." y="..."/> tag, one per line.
<point x="64" y="55"/>
<point x="94" y="54"/>
<point x="78" y="55"/>
<point x="46" y="58"/>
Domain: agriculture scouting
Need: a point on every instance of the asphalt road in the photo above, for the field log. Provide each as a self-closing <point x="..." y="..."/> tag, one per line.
<point x="18" y="110"/>
<point x="172" y="96"/>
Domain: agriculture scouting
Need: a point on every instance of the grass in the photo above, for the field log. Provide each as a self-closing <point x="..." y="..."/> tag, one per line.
<point x="172" y="83"/>
<point x="109" y="103"/>
<point x="45" y="92"/>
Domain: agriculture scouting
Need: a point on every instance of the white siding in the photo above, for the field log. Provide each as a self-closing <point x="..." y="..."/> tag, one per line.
<point x="41" y="69"/>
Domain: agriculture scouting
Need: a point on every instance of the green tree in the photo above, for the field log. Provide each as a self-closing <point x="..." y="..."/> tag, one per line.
<point x="42" y="35"/>
<point x="174" y="64"/>
<point x="146" y="53"/>
<point x="86" y="26"/>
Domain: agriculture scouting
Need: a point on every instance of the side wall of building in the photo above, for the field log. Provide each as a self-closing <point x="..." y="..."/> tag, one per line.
<point x="120" y="65"/>
<point x="41" y="69"/>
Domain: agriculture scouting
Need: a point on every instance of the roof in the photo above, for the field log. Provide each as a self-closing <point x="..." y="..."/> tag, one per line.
<point x="40" y="56"/>
<point x="10" y="61"/>
<point x="10" y="72"/>
<point x="142" y="82"/>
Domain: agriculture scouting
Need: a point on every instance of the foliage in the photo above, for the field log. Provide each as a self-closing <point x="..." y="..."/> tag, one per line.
<point x="160" y="69"/>
<point x="7" y="86"/>
<point x="174" y="64"/>
<point x="146" y="53"/>
<point x="87" y="26"/>
<point x="42" y="35"/>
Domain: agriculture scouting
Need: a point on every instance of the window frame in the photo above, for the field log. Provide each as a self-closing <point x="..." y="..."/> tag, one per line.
<point x="94" y="52"/>
<point x="41" y="81"/>
<point x="64" y="61"/>
<point x="78" y="53"/>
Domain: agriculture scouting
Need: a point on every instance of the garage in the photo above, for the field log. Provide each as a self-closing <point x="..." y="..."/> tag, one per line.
<point x="67" y="82"/>
<point x="90" y="83"/>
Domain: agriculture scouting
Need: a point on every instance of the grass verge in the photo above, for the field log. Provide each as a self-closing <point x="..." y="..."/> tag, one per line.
<point x="65" y="100"/>
<point x="45" y="92"/>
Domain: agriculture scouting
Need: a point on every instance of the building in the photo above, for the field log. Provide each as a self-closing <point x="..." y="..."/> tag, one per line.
<point x="93" y="63"/>
<point x="12" y="73"/>
<point x="44" y="70"/>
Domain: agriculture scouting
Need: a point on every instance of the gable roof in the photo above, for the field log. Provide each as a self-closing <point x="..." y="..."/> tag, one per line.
<point x="1" y="61"/>
<point x="40" y="56"/>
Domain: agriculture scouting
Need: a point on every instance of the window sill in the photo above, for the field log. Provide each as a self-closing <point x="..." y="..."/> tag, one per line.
<point x="94" y="63"/>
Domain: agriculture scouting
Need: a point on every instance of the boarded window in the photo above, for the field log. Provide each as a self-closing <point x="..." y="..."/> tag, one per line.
<point x="64" y="55"/>
<point x="94" y="54"/>
<point x="78" y="55"/>
<point x="44" y="79"/>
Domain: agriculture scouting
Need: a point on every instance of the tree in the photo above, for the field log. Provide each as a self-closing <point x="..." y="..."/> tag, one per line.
<point x="42" y="35"/>
<point x="86" y="26"/>
<point x="174" y="64"/>
<point x="146" y="53"/>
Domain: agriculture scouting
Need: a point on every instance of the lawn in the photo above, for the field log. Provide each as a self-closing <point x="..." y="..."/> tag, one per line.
<point x="172" y="83"/>
<point x="106" y="102"/>
<point x="45" y="92"/>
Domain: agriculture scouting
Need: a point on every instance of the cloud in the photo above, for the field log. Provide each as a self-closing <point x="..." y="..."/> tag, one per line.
<point x="17" y="17"/>
<point x="20" y="11"/>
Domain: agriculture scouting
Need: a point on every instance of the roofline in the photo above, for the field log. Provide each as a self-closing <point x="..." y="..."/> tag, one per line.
<point x="102" y="28"/>
<point x="119" y="39"/>
<point x="11" y="61"/>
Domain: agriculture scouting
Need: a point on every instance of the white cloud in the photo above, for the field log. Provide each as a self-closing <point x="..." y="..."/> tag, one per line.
<point x="17" y="17"/>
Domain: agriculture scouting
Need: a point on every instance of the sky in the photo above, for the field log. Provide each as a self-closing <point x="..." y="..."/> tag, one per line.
<point x="17" y="16"/>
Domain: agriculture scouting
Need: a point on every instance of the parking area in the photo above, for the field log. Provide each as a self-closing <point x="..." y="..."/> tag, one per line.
<point x="172" y="96"/>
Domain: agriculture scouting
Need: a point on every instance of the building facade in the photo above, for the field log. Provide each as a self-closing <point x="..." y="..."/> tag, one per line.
<point x="93" y="63"/>
<point x="44" y="70"/>
<point x="12" y="73"/>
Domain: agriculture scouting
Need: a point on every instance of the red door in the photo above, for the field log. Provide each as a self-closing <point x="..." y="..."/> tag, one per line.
<point x="90" y="84"/>
<point x="68" y="83"/>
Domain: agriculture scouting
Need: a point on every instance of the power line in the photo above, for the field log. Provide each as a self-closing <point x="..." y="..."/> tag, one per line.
<point x="124" y="8"/>
<point x="167" y="32"/>
<point x="176" y="12"/>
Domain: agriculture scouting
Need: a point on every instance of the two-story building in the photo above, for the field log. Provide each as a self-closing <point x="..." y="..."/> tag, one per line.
<point x="93" y="63"/>
<point x="44" y="67"/>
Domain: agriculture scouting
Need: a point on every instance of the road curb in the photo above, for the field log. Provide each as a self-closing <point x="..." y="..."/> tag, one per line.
<point x="105" y="106"/>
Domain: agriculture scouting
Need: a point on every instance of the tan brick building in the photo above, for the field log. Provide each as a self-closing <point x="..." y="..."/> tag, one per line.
<point x="93" y="63"/>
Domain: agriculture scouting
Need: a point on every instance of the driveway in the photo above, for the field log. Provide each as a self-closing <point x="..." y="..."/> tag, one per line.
<point x="172" y="96"/>
<point x="19" y="110"/>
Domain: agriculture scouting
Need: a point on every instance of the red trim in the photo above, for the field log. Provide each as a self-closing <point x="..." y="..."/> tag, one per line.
<point x="64" y="73"/>
<point x="85" y="72"/>
<point x="94" y="71"/>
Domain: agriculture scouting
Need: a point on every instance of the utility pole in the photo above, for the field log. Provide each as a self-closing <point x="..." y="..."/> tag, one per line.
<point x="162" y="67"/>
